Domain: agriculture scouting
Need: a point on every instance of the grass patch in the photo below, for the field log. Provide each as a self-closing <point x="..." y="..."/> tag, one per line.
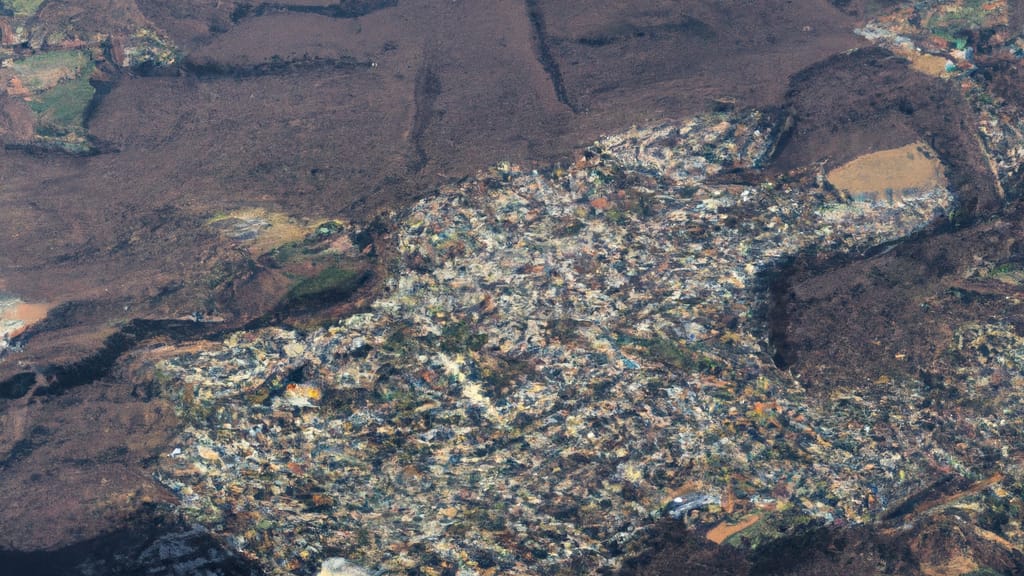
<point x="61" y="110"/>
<point x="969" y="16"/>
<point x="22" y="7"/>
<point x="1008" y="273"/>
<point x="48" y="69"/>
<point x="680" y="357"/>
<point x="330" y="285"/>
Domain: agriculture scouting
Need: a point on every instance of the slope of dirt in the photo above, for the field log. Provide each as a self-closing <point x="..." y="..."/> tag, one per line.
<point x="894" y="314"/>
<point x="869" y="100"/>
<point x="327" y="115"/>
<point x="350" y="109"/>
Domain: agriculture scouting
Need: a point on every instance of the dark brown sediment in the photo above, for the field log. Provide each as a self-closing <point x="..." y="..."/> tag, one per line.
<point x="354" y="109"/>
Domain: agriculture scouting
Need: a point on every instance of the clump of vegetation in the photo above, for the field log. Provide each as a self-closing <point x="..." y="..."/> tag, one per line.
<point x="564" y="329"/>
<point x="324" y="231"/>
<point x="949" y="24"/>
<point x="21" y="7"/>
<point x="60" y="111"/>
<point x="330" y="285"/>
<point x="678" y="356"/>
<point x="1008" y="272"/>
<point x="499" y="375"/>
<point x="60" y="94"/>
<point x="48" y="69"/>
<point x="569" y="227"/>
<point x="984" y="571"/>
<point x="458" y="337"/>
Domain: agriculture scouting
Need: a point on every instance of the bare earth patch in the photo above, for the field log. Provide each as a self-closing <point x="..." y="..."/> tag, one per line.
<point x="890" y="174"/>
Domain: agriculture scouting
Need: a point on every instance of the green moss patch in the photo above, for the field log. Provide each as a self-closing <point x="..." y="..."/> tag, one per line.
<point x="459" y="337"/>
<point x="330" y="285"/>
<point x="22" y="7"/>
<point x="678" y="356"/>
<point x="45" y="71"/>
<point x="60" y="111"/>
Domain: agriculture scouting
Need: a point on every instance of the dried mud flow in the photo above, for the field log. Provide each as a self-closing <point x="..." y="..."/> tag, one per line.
<point x="324" y="115"/>
<point x="844" y="322"/>
<point x="352" y="109"/>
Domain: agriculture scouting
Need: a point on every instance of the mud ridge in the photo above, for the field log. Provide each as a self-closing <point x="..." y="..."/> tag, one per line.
<point x="688" y="25"/>
<point x="345" y="10"/>
<point x="872" y="95"/>
<point x="155" y="542"/>
<point x="42" y="149"/>
<point x="276" y="67"/>
<point x="100" y="364"/>
<point x="780" y="279"/>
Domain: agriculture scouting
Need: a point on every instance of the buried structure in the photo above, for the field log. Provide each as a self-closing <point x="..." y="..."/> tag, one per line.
<point x="561" y="358"/>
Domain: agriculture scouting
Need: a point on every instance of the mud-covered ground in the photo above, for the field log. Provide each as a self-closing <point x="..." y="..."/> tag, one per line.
<point x="349" y="110"/>
<point x="324" y="115"/>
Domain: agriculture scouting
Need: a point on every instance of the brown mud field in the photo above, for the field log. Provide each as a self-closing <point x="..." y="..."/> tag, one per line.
<point x="350" y="111"/>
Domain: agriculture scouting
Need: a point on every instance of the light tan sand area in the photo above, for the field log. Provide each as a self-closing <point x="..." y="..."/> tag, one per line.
<point x="16" y="316"/>
<point x="889" y="175"/>
<point x="557" y="357"/>
<point x="259" y="230"/>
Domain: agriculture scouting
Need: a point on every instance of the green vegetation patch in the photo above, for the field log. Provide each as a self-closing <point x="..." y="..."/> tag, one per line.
<point x="60" y="111"/>
<point x="969" y="16"/>
<point x="22" y="7"/>
<point x="778" y="529"/>
<point x="983" y="571"/>
<point x="324" y="231"/>
<point x="459" y="336"/>
<point x="499" y="375"/>
<point x="1008" y="273"/>
<point x="330" y="285"/>
<point x="47" y="70"/>
<point x="678" y="356"/>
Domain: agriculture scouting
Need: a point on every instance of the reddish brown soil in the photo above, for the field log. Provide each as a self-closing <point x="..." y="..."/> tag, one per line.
<point x="325" y="116"/>
<point x="284" y="110"/>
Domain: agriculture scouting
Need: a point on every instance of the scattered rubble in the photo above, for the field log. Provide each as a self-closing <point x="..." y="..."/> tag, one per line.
<point x="559" y="359"/>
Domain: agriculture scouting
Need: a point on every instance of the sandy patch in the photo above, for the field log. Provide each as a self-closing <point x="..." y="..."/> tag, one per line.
<point x="16" y="316"/>
<point x="25" y="312"/>
<point x="929" y="64"/>
<point x="260" y="230"/>
<point x="723" y="531"/>
<point x="890" y="175"/>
